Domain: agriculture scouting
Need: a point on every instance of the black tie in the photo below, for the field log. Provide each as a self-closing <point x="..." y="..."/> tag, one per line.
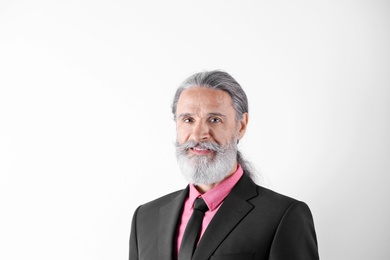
<point x="192" y="231"/>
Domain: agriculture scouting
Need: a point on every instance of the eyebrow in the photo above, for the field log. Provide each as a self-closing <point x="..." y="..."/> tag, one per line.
<point x="184" y="115"/>
<point x="216" y="114"/>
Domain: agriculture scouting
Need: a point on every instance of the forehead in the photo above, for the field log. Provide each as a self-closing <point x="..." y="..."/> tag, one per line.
<point x="202" y="98"/>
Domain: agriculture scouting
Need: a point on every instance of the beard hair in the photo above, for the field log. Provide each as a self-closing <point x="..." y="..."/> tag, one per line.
<point x="206" y="169"/>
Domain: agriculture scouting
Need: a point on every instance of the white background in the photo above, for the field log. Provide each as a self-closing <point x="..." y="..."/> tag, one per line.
<point x="86" y="133"/>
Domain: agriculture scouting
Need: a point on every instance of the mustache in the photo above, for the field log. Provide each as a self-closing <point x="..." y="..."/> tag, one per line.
<point x="213" y="146"/>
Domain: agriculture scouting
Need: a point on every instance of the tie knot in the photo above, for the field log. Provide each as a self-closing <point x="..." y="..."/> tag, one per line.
<point x="200" y="205"/>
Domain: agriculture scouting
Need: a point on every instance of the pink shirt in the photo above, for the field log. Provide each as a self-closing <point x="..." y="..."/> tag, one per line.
<point x="213" y="199"/>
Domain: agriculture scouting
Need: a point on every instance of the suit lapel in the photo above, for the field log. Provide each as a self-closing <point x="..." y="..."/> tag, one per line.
<point x="233" y="210"/>
<point x="168" y="218"/>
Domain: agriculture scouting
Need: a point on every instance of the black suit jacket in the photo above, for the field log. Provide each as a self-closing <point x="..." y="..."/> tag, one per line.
<point x="252" y="223"/>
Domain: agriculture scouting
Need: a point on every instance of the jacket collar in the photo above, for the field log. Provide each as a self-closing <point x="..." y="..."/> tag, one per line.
<point x="233" y="210"/>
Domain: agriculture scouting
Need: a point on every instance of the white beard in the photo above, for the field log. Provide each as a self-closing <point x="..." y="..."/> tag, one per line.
<point x="206" y="169"/>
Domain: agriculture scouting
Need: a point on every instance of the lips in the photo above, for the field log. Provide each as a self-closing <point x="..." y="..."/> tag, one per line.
<point x="200" y="150"/>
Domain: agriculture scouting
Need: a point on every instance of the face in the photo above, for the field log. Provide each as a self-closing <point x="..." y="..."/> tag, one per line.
<point x="205" y="114"/>
<point x="207" y="134"/>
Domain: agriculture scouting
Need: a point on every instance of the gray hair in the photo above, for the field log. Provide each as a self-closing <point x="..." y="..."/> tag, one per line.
<point x="220" y="80"/>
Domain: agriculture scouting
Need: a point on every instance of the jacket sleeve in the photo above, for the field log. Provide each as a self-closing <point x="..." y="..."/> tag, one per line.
<point x="133" y="245"/>
<point x="295" y="237"/>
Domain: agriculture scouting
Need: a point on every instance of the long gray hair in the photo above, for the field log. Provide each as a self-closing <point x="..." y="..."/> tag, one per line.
<point x="220" y="80"/>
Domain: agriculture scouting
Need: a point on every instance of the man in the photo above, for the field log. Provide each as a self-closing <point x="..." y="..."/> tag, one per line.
<point x="238" y="219"/>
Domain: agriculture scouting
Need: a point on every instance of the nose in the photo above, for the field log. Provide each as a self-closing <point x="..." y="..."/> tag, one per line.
<point x="201" y="132"/>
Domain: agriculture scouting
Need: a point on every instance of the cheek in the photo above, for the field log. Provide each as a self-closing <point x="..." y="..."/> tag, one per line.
<point x="182" y="134"/>
<point x="226" y="135"/>
<point x="221" y="135"/>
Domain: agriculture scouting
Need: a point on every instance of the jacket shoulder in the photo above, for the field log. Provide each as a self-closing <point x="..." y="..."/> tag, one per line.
<point x="277" y="201"/>
<point x="257" y="194"/>
<point x="273" y="195"/>
<point x="161" y="201"/>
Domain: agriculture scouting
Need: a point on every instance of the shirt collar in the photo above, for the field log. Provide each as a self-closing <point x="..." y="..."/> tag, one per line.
<point x="216" y="195"/>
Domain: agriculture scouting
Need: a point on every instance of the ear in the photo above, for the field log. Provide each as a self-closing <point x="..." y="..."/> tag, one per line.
<point x="242" y="125"/>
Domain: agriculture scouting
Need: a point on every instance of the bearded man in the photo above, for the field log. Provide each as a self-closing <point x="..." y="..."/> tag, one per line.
<point x="222" y="213"/>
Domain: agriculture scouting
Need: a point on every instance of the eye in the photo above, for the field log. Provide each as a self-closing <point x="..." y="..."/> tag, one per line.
<point x="187" y="120"/>
<point x="215" y="120"/>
